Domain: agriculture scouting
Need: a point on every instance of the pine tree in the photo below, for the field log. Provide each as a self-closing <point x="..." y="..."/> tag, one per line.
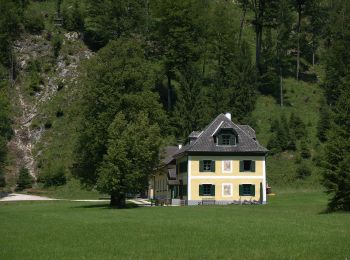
<point x="337" y="63"/>
<point x="324" y="122"/>
<point x="297" y="125"/>
<point x="24" y="179"/>
<point x="304" y="149"/>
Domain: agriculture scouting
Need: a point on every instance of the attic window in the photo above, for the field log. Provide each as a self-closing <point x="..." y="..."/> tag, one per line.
<point x="226" y="139"/>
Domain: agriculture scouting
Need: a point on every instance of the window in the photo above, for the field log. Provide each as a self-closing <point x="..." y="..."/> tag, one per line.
<point x="247" y="166"/>
<point x="246" y="190"/>
<point x="207" y="166"/>
<point x="226" y="166"/>
<point x="226" y="139"/>
<point x="207" y="190"/>
<point x="226" y="189"/>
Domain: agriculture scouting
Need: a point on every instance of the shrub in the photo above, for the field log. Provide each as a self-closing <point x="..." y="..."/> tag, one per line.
<point x="48" y="124"/>
<point x="303" y="171"/>
<point x="53" y="176"/>
<point x="33" y="21"/>
<point x="59" y="113"/>
<point x="304" y="149"/>
<point x="24" y="179"/>
<point x="56" y="43"/>
<point x="73" y="19"/>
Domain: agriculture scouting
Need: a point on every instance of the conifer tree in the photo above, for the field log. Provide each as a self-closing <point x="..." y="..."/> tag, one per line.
<point x="24" y="179"/>
<point x="337" y="156"/>
<point x="324" y="121"/>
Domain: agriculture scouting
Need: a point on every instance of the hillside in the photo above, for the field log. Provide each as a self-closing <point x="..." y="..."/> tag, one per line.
<point x="48" y="85"/>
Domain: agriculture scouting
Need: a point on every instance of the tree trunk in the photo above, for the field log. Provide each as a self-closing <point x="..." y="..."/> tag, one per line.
<point x="118" y="200"/>
<point x="298" y="38"/>
<point x="281" y="87"/>
<point x="242" y="23"/>
<point x="259" y="13"/>
<point x="169" y="92"/>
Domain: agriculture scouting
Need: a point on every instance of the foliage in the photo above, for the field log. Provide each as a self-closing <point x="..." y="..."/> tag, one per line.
<point x="56" y="42"/>
<point x="24" y="179"/>
<point x="33" y="21"/>
<point x="304" y="149"/>
<point x="53" y="175"/>
<point x="106" y="20"/>
<point x="118" y="79"/>
<point x="337" y="79"/>
<point x="73" y="17"/>
<point x="132" y="155"/>
<point x="324" y="122"/>
<point x="303" y="170"/>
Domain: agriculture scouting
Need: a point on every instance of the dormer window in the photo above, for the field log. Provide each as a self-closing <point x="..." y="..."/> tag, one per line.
<point x="226" y="138"/>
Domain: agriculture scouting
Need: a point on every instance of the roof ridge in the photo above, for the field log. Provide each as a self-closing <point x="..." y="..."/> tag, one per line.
<point x="207" y="127"/>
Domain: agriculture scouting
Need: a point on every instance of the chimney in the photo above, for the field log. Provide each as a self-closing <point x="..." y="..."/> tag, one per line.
<point x="228" y="115"/>
<point x="180" y="146"/>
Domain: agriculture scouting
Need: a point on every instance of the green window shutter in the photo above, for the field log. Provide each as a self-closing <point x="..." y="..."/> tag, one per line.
<point x="219" y="139"/>
<point x="240" y="190"/>
<point x="252" y="166"/>
<point x="201" y="188"/>
<point x="252" y="190"/>
<point x="232" y="140"/>
<point x="212" y="190"/>
<point x="212" y="166"/>
<point x="241" y="166"/>
<point x="201" y="166"/>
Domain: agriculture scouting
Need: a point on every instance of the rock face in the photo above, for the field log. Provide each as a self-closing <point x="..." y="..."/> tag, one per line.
<point x="58" y="73"/>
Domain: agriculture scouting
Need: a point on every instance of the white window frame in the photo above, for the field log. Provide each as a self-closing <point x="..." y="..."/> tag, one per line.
<point x="223" y="166"/>
<point x="231" y="189"/>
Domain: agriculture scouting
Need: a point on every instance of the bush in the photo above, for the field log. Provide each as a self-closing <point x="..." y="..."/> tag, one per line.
<point x="33" y="21"/>
<point x="73" y="19"/>
<point x="24" y="180"/>
<point x="53" y="176"/>
<point x="303" y="171"/>
<point x="304" y="150"/>
<point x="56" y="43"/>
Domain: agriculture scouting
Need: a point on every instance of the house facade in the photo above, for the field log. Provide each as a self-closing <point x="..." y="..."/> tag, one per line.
<point x="222" y="164"/>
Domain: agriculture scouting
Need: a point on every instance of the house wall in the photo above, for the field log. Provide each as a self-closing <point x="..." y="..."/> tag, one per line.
<point x="161" y="189"/>
<point x="219" y="177"/>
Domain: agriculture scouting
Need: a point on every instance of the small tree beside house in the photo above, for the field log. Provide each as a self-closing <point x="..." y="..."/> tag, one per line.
<point x="132" y="155"/>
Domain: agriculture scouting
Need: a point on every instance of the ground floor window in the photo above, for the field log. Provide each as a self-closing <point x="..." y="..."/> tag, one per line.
<point x="206" y="190"/>
<point x="246" y="190"/>
<point x="226" y="189"/>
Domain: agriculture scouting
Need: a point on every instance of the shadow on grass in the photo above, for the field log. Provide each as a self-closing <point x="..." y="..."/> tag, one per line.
<point x="107" y="206"/>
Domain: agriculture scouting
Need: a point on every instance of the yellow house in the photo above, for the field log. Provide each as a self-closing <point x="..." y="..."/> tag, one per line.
<point x="222" y="164"/>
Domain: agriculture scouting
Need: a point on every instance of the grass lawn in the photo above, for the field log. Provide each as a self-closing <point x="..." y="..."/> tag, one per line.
<point x="291" y="226"/>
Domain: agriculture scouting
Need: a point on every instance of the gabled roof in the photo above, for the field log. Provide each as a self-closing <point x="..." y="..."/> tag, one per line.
<point x="247" y="142"/>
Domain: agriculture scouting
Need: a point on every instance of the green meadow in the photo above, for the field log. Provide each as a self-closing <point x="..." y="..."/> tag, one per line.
<point x="292" y="226"/>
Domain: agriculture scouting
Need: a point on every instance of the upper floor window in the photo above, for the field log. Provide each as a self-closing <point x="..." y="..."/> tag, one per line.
<point x="207" y="166"/>
<point x="247" y="166"/>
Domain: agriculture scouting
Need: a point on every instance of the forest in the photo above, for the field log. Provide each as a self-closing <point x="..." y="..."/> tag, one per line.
<point x="160" y="69"/>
